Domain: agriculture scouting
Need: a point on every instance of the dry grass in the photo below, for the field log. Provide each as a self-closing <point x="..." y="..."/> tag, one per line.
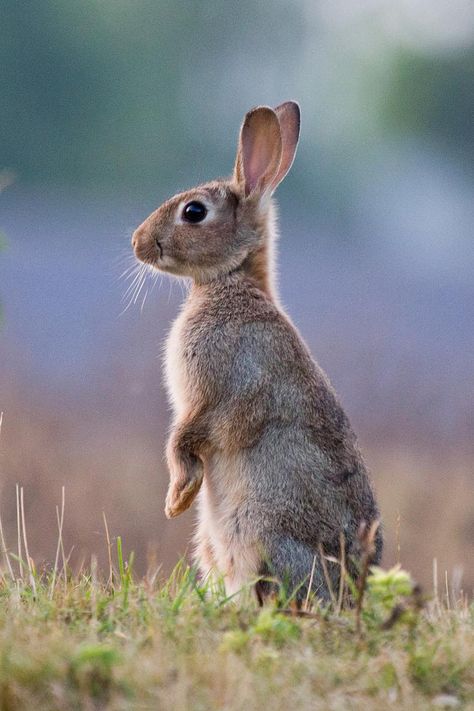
<point x="93" y="639"/>
<point x="82" y="630"/>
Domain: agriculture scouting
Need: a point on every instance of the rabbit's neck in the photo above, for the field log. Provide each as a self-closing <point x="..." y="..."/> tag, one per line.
<point x="259" y="267"/>
<point x="259" y="264"/>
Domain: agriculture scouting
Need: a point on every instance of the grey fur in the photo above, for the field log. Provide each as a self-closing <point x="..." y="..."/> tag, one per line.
<point x="258" y="431"/>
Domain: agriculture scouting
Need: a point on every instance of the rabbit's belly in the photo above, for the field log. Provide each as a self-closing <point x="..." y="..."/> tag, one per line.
<point x="176" y="381"/>
<point x="235" y="554"/>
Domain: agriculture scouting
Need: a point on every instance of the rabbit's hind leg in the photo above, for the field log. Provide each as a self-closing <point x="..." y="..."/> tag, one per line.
<point x="204" y="554"/>
<point x="287" y="569"/>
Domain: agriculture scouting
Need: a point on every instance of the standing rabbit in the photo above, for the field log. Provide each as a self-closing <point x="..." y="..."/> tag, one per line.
<point x="258" y="431"/>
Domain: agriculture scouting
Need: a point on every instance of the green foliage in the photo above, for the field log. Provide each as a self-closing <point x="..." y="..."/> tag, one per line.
<point x="94" y="90"/>
<point x="118" y="92"/>
<point x="91" y="670"/>
<point x="274" y="628"/>
<point x="387" y="586"/>
<point x="270" y="627"/>
<point x="437" y="669"/>
<point x="432" y="96"/>
<point x="181" y="643"/>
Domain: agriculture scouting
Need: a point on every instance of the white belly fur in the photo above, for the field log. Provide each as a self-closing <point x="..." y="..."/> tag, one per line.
<point x="176" y="384"/>
<point x="235" y="557"/>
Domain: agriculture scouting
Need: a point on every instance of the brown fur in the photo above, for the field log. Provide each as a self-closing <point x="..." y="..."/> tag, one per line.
<point x="258" y="429"/>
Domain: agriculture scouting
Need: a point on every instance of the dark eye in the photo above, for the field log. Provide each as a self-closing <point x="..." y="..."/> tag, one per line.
<point x="194" y="211"/>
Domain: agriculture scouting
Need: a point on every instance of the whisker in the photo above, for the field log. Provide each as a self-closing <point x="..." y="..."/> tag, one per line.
<point x="136" y="279"/>
<point x="131" y="291"/>
<point x="137" y="274"/>
<point x="140" y="286"/>
<point x="125" y="255"/>
<point x="183" y="287"/>
<point x="134" y="264"/>
<point x="144" y="299"/>
<point x="128" y="272"/>
<point x="155" y="277"/>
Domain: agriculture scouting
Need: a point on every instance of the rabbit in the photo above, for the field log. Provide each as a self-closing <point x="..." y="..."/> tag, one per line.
<point x="258" y="433"/>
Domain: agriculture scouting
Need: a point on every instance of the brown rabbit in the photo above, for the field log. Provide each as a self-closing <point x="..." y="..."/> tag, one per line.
<point x="258" y="431"/>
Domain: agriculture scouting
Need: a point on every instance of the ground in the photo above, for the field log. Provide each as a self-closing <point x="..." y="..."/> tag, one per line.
<point x="82" y="642"/>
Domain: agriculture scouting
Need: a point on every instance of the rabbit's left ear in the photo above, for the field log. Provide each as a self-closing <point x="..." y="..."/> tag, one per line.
<point x="259" y="152"/>
<point x="289" y="117"/>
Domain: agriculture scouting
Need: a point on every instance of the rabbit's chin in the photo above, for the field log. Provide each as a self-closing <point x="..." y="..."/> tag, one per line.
<point x="199" y="273"/>
<point x="165" y="264"/>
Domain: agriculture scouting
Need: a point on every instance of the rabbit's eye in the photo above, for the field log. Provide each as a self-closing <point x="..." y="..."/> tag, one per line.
<point x="194" y="211"/>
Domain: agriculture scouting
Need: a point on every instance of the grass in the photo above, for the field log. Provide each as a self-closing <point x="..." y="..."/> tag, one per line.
<point x="77" y="641"/>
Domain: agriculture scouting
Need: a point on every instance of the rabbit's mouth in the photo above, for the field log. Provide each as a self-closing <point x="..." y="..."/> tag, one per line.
<point x="156" y="258"/>
<point x="160" y="260"/>
<point x="149" y="251"/>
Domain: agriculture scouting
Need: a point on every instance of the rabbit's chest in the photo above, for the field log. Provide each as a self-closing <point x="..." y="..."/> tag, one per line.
<point x="185" y="364"/>
<point x="177" y="377"/>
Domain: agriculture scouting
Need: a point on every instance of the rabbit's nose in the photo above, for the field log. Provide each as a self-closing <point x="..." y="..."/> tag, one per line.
<point x="136" y="238"/>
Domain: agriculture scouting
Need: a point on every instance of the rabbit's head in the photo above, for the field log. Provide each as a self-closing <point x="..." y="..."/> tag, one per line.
<point x="215" y="228"/>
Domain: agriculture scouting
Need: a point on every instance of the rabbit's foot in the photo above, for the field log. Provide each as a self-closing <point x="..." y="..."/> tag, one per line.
<point x="182" y="492"/>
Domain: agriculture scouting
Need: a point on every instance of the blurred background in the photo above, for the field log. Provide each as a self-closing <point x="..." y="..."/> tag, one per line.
<point x="110" y="107"/>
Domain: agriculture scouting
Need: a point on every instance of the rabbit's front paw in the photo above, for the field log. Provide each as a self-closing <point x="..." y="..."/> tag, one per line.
<point x="183" y="490"/>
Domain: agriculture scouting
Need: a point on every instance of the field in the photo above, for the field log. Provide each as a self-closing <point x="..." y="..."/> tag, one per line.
<point x="90" y="640"/>
<point x="109" y="109"/>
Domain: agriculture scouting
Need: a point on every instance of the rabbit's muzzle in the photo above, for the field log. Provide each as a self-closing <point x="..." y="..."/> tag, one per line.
<point x="145" y="245"/>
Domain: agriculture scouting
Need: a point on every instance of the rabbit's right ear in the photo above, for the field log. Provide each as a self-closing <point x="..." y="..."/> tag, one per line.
<point x="289" y="118"/>
<point x="259" y="151"/>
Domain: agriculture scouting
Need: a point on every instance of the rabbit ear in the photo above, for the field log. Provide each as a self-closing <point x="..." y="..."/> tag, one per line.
<point x="259" y="152"/>
<point x="289" y="117"/>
